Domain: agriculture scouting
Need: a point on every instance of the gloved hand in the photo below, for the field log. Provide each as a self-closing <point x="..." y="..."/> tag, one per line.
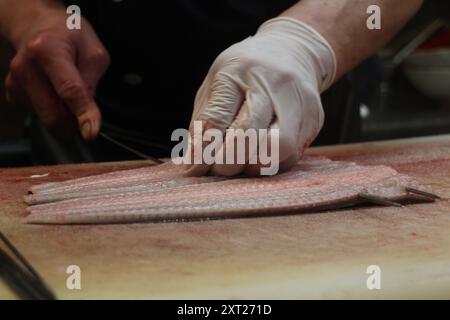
<point x="271" y="80"/>
<point x="56" y="71"/>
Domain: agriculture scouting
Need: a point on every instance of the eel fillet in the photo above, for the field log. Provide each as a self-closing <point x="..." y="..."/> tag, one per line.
<point x="161" y="193"/>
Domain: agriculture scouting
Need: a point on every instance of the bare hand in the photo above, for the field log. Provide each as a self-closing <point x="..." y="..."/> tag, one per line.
<point x="56" y="71"/>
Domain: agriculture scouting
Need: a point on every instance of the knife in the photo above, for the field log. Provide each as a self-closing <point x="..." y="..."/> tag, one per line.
<point x="20" y="276"/>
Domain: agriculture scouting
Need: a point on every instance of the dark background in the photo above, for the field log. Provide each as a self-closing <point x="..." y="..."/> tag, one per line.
<point x="391" y="107"/>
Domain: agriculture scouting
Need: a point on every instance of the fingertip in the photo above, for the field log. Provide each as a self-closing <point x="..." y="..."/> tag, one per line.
<point x="89" y="130"/>
<point x="90" y="123"/>
<point x="86" y="130"/>
<point x="197" y="170"/>
<point x="227" y="170"/>
<point x="96" y="125"/>
<point x="253" y="170"/>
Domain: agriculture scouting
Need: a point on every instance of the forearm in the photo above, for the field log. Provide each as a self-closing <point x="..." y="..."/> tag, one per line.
<point x="343" y="24"/>
<point x="17" y="15"/>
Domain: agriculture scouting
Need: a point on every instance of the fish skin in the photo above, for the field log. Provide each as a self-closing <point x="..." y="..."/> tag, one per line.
<point x="115" y="178"/>
<point x="314" y="183"/>
<point x="47" y="197"/>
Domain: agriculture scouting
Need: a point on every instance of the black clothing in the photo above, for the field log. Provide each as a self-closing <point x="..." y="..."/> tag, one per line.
<point x="162" y="50"/>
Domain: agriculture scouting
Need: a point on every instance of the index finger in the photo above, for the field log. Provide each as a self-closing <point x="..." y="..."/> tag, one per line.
<point x="71" y="88"/>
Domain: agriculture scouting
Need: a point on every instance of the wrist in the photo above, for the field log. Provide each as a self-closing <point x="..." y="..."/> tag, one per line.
<point x="311" y="48"/>
<point x="23" y="18"/>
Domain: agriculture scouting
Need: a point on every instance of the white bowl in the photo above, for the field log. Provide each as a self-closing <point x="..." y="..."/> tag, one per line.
<point x="429" y="72"/>
<point x="439" y="58"/>
<point x="433" y="82"/>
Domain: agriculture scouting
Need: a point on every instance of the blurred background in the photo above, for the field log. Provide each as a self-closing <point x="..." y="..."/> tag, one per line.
<point x="14" y="146"/>
<point x="404" y="91"/>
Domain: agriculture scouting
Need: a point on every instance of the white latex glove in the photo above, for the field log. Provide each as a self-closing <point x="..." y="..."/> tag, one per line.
<point x="271" y="80"/>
